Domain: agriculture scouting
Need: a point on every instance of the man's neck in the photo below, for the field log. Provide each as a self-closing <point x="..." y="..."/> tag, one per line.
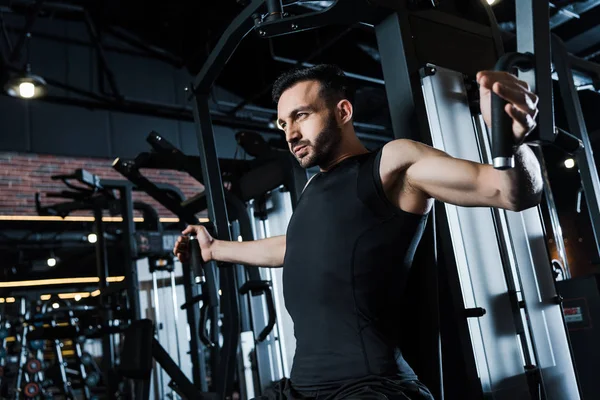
<point x="350" y="150"/>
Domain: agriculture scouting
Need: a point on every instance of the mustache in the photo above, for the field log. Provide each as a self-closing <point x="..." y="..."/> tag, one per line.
<point x="299" y="143"/>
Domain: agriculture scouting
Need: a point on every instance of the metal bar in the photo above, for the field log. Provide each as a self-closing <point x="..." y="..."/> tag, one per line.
<point x="553" y="213"/>
<point x="584" y="40"/>
<point x="406" y="104"/>
<point x="217" y="213"/>
<point x="108" y="355"/>
<point x="182" y="383"/>
<point x="533" y="29"/>
<point x="131" y="172"/>
<point x="100" y="52"/>
<point x="275" y="10"/>
<point x="577" y="8"/>
<point x="129" y="247"/>
<point x="67" y="40"/>
<point x="401" y="75"/>
<point x="585" y="159"/>
<point x="149" y="50"/>
<point x="191" y="291"/>
<point x="231" y="38"/>
<point x="352" y="75"/>
<point x="31" y="17"/>
<point x="340" y="13"/>
<point x="157" y="328"/>
<point x="455" y="22"/>
<point x="314" y="54"/>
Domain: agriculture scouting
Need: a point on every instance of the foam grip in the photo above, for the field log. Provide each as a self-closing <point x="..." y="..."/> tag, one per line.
<point x="502" y="133"/>
<point x="196" y="261"/>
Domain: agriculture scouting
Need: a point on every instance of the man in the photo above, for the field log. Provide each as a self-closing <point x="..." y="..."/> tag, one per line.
<point x="353" y="234"/>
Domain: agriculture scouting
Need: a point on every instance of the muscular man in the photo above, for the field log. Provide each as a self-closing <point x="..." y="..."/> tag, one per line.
<point x="353" y="234"/>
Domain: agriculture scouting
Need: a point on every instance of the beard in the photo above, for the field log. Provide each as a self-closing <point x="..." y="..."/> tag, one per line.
<point x="323" y="149"/>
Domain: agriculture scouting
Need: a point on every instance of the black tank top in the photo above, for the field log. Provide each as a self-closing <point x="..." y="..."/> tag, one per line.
<point x="348" y="253"/>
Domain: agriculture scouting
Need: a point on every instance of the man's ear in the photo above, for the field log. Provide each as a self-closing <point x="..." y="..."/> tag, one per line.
<point x="345" y="111"/>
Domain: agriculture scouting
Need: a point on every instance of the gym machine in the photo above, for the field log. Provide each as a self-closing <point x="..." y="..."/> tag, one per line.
<point x="580" y="296"/>
<point x="249" y="179"/>
<point x="512" y="337"/>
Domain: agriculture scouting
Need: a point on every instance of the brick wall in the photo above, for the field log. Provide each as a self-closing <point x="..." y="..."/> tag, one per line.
<point x="23" y="175"/>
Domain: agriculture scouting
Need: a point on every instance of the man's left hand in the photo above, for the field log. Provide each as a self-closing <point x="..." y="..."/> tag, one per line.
<point x="522" y="103"/>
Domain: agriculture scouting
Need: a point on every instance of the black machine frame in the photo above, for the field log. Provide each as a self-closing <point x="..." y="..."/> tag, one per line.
<point x="401" y="64"/>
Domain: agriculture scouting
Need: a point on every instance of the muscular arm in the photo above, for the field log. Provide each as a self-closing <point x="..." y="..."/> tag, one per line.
<point x="261" y="253"/>
<point x="428" y="173"/>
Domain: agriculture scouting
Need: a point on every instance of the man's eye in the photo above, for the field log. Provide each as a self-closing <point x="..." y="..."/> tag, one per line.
<point x="301" y="115"/>
<point x="281" y="125"/>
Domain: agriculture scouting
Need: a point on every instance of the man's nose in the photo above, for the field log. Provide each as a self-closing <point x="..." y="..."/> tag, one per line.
<point x="292" y="134"/>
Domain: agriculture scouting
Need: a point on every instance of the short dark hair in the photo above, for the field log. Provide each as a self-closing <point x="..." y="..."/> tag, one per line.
<point x="334" y="83"/>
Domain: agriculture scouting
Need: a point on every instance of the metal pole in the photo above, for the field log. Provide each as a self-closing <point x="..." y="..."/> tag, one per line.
<point x="157" y="326"/>
<point x="553" y="213"/>
<point x="401" y="75"/>
<point x="130" y="252"/>
<point x="533" y="36"/>
<point x="585" y="159"/>
<point x="217" y="213"/>
<point x="175" y="316"/>
<point x="108" y="355"/>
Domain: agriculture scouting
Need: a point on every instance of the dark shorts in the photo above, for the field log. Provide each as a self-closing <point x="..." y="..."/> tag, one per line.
<point x="369" y="388"/>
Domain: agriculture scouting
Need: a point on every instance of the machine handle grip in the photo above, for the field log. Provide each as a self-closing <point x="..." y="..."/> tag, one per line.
<point x="502" y="133"/>
<point x="202" y="331"/>
<point x="196" y="261"/>
<point x="262" y="287"/>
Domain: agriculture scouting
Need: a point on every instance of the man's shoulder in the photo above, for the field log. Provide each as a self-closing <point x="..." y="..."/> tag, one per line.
<point x="397" y="155"/>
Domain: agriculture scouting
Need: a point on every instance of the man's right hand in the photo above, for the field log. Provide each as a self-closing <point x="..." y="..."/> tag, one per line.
<point x="181" y="249"/>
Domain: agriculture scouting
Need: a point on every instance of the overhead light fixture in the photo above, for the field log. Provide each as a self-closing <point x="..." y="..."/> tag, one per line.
<point x="55" y="305"/>
<point x="26" y="86"/>
<point x="491" y="2"/>
<point x="569" y="163"/>
<point x="51" y="262"/>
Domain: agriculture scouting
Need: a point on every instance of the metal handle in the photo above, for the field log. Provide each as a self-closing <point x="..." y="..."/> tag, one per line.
<point x="202" y="332"/>
<point x="502" y="133"/>
<point x="262" y="287"/>
<point x="196" y="261"/>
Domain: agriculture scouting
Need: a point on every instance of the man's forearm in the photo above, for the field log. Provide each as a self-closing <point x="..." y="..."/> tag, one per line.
<point x="261" y="253"/>
<point x="524" y="181"/>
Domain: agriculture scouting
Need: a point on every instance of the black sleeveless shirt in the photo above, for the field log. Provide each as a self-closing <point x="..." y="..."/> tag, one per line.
<point x="348" y="253"/>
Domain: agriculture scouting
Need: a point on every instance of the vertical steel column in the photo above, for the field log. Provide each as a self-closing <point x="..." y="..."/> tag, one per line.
<point x="191" y="290"/>
<point x="585" y="158"/>
<point x="553" y="213"/>
<point x="409" y="120"/>
<point x="129" y="251"/>
<point x="217" y="214"/>
<point x="213" y="185"/>
<point x="108" y="355"/>
<point x="401" y="75"/>
<point x="533" y="36"/>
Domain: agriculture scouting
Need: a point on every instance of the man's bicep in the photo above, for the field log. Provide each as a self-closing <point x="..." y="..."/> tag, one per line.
<point x="455" y="181"/>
